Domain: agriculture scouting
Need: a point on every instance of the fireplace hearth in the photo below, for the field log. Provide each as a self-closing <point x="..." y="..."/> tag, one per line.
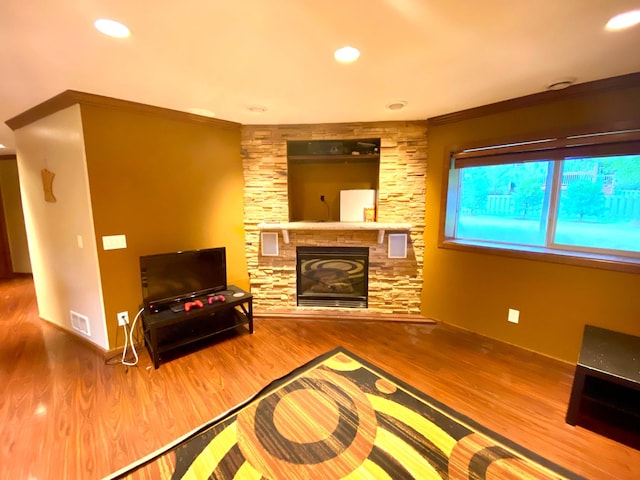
<point x="332" y="276"/>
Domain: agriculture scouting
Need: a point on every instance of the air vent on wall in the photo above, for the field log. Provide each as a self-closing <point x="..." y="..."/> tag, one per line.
<point x="80" y="323"/>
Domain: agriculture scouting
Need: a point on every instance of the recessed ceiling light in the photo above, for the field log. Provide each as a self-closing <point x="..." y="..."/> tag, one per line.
<point x="624" y="20"/>
<point x="257" y="109"/>
<point x="2" y="146"/>
<point x="399" y="105"/>
<point x="112" y="28"/>
<point x="561" y="83"/>
<point x="346" y="54"/>
<point x="202" y="112"/>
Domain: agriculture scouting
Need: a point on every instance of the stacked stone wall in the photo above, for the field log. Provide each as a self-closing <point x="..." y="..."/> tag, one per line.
<point x="394" y="284"/>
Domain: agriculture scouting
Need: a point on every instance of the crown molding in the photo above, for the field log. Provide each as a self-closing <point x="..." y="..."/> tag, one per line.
<point x="579" y="90"/>
<point x="71" y="97"/>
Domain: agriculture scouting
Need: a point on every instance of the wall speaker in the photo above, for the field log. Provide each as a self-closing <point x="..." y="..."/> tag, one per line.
<point x="397" y="245"/>
<point x="269" y="241"/>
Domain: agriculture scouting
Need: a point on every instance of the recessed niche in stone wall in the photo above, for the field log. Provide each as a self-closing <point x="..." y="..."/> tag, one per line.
<point x="319" y="169"/>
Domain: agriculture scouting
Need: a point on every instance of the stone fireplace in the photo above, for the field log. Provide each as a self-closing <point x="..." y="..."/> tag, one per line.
<point x="394" y="284"/>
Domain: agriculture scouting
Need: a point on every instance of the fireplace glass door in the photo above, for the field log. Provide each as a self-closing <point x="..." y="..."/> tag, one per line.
<point x="332" y="276"/>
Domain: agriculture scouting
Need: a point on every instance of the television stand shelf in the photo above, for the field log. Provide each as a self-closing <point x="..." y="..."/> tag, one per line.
<point x="167" y="330"/>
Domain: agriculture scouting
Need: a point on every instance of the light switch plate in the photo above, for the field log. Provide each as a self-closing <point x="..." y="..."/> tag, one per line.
<point x="114" y="242"/>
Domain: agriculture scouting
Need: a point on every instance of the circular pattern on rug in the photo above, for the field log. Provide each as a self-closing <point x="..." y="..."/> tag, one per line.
<point x="478" y="456"/>
<point x="342" y="363"/>
<point x="275" y="442"/>
<point x="321" y="413"/>
<point x="385" y="386"/>
<point x="290" y="434"/>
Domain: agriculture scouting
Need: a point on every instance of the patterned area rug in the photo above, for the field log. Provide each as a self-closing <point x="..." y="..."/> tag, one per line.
<point x="341" y="417"/>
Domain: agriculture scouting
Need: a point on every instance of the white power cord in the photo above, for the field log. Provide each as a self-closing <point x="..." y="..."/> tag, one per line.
<point x="128" y="337"/>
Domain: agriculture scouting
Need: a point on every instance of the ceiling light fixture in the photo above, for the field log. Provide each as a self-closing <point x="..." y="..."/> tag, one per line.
<point x="112" y="28"/>
<point x="399" y="105"/>
<point x="346" y="54"/>
<point x="624" y="20"/>
<point x="2" y="146"/>
<point x="561" y="83"/>
<point x="257" y="109"/>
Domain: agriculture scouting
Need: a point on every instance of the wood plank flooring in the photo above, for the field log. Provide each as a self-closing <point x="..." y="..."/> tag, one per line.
<point x="65" y="414"/>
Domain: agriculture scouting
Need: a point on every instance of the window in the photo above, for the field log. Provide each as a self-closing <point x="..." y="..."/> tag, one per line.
<point x="575" y="196"/>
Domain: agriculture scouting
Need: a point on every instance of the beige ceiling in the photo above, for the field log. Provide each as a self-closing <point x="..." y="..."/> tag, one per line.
<point x="440" y="56"/>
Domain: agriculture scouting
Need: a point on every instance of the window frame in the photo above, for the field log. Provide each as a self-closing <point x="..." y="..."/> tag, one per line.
<point x="554" y="149"/>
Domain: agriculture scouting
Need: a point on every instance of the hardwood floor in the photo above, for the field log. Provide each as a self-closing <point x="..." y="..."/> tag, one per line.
<point x="65" y="414"/>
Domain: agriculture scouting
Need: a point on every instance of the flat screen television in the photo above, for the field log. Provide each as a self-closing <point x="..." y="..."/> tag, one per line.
<point x="171" y="278"/>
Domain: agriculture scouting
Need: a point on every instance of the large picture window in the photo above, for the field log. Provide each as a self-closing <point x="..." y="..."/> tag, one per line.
<point x="574" y="196"/>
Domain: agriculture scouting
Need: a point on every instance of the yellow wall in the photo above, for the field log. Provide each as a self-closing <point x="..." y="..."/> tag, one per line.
<point x="14" y="216"/>
<point x="168" y="185"/>
<point x="475" y="290"/>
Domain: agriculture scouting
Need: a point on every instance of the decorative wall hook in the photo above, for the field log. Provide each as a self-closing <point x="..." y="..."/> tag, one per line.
<point x="47" y="185"/>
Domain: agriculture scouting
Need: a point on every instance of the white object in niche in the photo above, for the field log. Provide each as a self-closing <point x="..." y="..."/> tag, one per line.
<point x="397" y="245"/>
<point x="353" y="203"/>
<point x="269" y="241"/>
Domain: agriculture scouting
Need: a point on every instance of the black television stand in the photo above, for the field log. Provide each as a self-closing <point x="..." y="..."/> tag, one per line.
<point x="168" y="330"/>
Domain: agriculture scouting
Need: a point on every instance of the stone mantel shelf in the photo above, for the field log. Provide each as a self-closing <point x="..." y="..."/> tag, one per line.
<point x="381" y="227"/>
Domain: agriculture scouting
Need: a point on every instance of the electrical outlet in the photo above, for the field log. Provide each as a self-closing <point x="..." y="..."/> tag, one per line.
<point x="514" y="316"/>
<point x="123" y="318"/>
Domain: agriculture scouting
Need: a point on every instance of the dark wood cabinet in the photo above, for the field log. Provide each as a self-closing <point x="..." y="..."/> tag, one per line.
<point x="606" y="388"/>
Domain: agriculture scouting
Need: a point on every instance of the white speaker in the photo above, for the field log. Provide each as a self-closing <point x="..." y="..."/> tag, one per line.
<point x="269" y="241"/>
<point x="397" y="245"/>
